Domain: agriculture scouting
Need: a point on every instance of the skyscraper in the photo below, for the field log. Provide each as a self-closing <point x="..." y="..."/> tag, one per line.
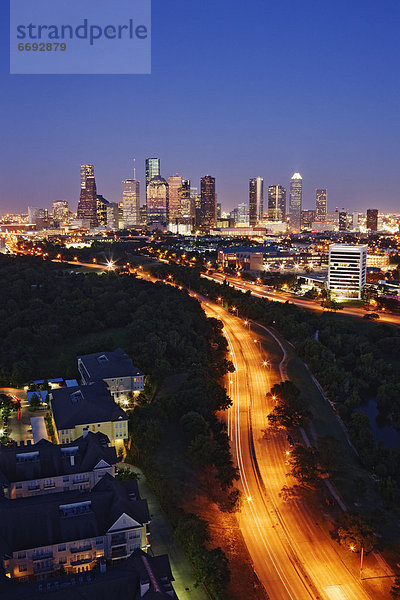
<point x="87" y="206"/>
<point x="60" y="212"/>
<point x="174" y="185"/>
<point x="372" y="219"/>
<point x="185" y="201"/>
<point x="208" y="203"/>
<point x="152" y="169"/>
<point x="276" y="203"/>
<point x="131" y="202"/>
<point x="295" y="202"/>
<point x="101" y="210"/>
<point x="343" y="220"/>
<point x="157" y="201"/>
<point x="321" y="197"/>
<point x="256" y="200"/>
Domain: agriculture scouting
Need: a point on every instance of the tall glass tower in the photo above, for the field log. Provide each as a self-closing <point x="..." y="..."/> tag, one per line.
<point x="87" y="206"/>
<point x="152" y="169"/>
<point x="295" y="202"/>
<point x="276" y="203"/>
<point x="256" y="200"/>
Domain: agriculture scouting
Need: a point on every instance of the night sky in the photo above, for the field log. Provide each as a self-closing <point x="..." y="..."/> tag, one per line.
<point x="238" y="89"/>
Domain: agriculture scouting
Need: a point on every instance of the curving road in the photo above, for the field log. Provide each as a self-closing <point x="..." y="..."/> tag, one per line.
<point x="292" y="556"/>
<point x="261" y="292"/>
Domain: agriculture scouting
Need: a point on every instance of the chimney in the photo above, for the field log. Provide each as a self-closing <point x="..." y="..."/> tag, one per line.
<point x="85" y="432"/>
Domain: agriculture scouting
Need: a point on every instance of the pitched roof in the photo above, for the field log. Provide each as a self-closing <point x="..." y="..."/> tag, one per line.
<point x="47" y="520"/>
<point x="121" y="581"/>
<point x="84" y="404"/>
<point x="43" y="460"/>
<point x="106" y="365"/>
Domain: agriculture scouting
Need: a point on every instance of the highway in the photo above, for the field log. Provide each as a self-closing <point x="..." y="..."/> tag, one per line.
<point x="292" y="556"/>
<point x="261" y="292"/>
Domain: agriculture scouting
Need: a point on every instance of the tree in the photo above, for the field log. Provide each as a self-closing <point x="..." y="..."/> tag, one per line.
<point x="290" y="409"/>
<point x="126" y="474"/>
<point x="35" y="402"/>
<point x="304" y="464"/>
<point x="354" y="533"/>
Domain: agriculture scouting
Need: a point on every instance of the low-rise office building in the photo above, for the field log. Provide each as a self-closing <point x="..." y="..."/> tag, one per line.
<point x="347" y="271"/>
<point x="43" y="468"/>
<point x="115" y="369"/>
<point x="71" y="531"/>
<point x="80" y="409"/>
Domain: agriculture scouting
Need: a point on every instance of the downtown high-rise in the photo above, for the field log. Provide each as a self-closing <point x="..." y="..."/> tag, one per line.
<point x="372" y="219"/>
<point x="131" y="202"/>
<point x="207" y="213"/>
<point x="295" y="202"/>
<point x="321" y="204"/>
<point x="256" y="200"/>
<point x="276" y="203"/>
<point x="174" y="186"/>
<point x="87" y="206"/>
<point x="152" y="169"/>
<point x="157" y="202"/>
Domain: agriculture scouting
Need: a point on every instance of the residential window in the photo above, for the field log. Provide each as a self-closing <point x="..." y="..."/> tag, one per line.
<point x="21" y="554"/>
<point x="18" y="486"/>
<point x="66" y="478"/>
<point x="62" y="548"/>
<point x="22" y="568"/>
<point x="99" y="542"/>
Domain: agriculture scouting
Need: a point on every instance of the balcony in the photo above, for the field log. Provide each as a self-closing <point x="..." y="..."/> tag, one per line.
<point x="119" y="552"/>
<point x="83" y="561"/>
<point x="40" y="569"/>
<point x="42" y="555"/>
<point x="118" y="539"/>
<point x="85" y="548"/>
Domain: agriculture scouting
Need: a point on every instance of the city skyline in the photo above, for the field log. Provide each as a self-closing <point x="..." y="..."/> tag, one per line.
<point x="340" y="132"/>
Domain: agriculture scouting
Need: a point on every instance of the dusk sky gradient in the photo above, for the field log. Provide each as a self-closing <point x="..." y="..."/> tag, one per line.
<point x="238" y="90"/>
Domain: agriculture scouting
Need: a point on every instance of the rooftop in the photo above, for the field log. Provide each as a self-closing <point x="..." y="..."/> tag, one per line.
<point x="85" y="404"/>
<point x="40" y="521"/>
<point x="44" y="460"/>
<point x="105" y="365"/>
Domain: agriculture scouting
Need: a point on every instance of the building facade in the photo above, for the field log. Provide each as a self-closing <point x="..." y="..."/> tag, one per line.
<point x="87" y="206"/>
<point x="131" y="203"/>
<point x="60" y="213"/>
<point x="295" y="202"/>
<point x="276" y="203"/>
<point x="372" y="219"/>
<point x="347" y="270"/>
<point x="208" y="204"/>
<point x="157" y="206"/>
<point x="321" y="204"/>
<point x="256" y="201"/>
<point x="174" y="187"/>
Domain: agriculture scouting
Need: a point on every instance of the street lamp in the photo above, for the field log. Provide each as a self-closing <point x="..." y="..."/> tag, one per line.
<point x="235" y="309"/>
<point x="352" y="548"/>
<point x="259" y="344"/>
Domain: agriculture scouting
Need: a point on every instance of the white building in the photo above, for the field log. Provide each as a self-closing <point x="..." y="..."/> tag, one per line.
<point x="347" y="270"/>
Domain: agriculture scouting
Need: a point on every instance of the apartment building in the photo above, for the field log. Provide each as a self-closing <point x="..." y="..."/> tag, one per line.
<point x="43" y="468"/>
<point x="80" y="409"/>
<point x="71" y="531"/>
<point x="116" y="370"/>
